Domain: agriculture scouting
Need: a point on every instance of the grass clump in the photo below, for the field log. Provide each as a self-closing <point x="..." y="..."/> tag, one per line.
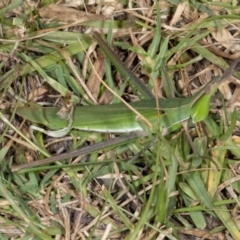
<point x="156" y="185"/>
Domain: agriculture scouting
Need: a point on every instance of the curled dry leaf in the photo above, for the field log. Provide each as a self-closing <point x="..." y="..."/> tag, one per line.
<point x="37" y="94"/>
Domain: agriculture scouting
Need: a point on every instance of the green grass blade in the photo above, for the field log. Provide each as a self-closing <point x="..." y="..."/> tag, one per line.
<point x="125" y="72"/>
<point x="195" y="182"/>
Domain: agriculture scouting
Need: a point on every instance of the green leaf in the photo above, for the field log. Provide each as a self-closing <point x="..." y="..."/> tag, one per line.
<point x="230" y="129"/>
<point x="195" y="182"/>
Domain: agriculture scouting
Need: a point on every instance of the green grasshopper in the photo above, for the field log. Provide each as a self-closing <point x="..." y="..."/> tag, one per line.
<point x="118" y="118"/>
<point x="115" y="118"/>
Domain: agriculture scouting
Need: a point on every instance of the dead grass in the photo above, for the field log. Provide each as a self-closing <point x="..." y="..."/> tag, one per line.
<point x="165" y="193"/>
